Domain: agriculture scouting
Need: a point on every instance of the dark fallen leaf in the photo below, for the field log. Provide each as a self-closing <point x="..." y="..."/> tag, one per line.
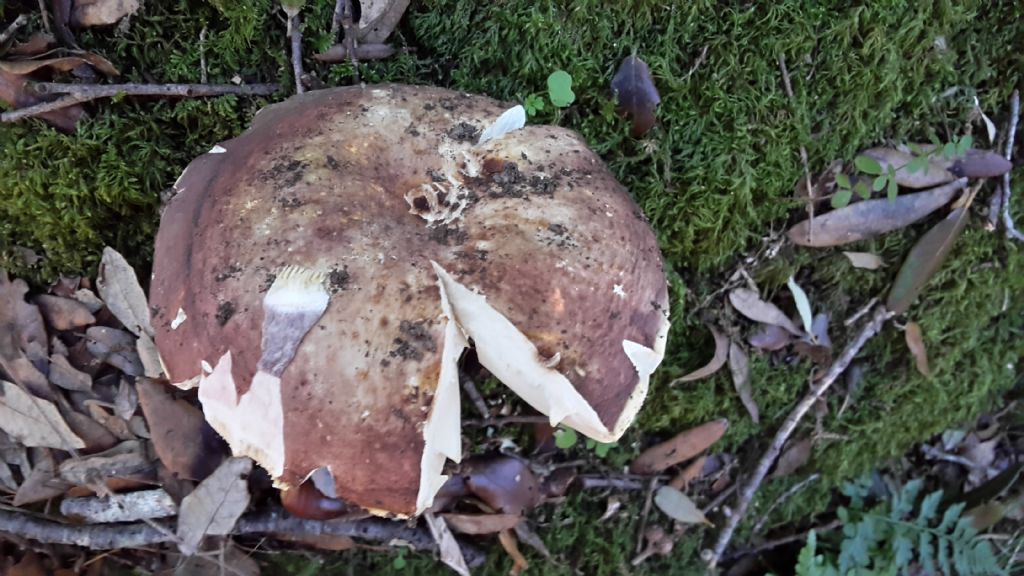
<point x="126" y="400"/>
<point x="750" y="304"/>
<point x="29" y="565"/>
<point x="116" y="425"/>
<point x="556" y="484"/>
<point x="481" y="523"/>
<point x="504" y="483"/>
<point x="819" y="329"/>
<point x="96" y="437"/>
<point x="915" y="343"/>
<point x="87" y="13"/>
<point x="511" y="545"/>
<point x="795" y="455"/>
<point x="183" y="440"/>
<point x="979" y="164"/>
<point x="925" y="259"/>
<point x="678" y="506"/>
<point x="14" y="92"/>
<point x="716" y="362"/>
<point x="63" y="313"/>
<point x="527" y="536"/>
<point x="319" y="541"/>
<point x="740" y="368"/>
<point x="126" y="460"/>
<point x="339" y="53"/>
<point x="934" y="175"/>
<point x="636" y="94"/>
<point x="871" y="218"/>
<point x="61" y="19"/>
<point x="817" y="346"/>
<point x="114" y="347"/>
<point x="215" y="505"/>
<point x="61" y="64"/>
<point x="306" y="501"/>
<point x="679" y="448"/>
<point x="770" y="337"/>
<point x="993" y="488"/>
<point x="36" y="44"/>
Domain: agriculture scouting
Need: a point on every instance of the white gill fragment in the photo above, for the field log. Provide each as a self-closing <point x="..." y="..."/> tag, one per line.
<point x="323" y="480"/>
<point x="514" y="360"/>
<point x="295" y="301"/>
<point x="442" y="433"/>
<point x="512" y="119"/>
<point x="217" y="149"/>
<point x="179" y="319"/>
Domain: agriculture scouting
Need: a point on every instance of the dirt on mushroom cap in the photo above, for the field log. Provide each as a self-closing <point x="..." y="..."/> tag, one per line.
<point x="366" y="184"/>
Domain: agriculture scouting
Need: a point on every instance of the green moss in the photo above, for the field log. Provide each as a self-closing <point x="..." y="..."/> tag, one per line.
<point x="715" y="178"/>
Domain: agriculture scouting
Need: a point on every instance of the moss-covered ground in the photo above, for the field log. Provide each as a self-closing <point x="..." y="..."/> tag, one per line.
<point x="715" y="177"/>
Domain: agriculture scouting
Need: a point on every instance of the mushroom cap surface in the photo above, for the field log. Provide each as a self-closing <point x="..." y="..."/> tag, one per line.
<point x="421" y="241"/>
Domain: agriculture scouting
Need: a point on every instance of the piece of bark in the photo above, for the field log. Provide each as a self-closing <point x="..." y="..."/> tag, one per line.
<point x="129" y="507"/>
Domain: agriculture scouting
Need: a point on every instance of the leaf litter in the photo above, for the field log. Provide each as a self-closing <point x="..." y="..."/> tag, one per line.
<point x="750" y="304"/>
<point x="915" y="343"/>
<point x="679" y="448"/>
<point x="718" y="360"/>
<point x="215" y="505"/>
<point x="739" y="365"/>
<point x="636" y="95"/>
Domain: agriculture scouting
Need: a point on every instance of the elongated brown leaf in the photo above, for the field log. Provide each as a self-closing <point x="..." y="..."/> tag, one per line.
<point x="63" y="374"/>
<point x="717" y="361"/>
<point x="935" y="175"/>
<point x="770" y="337"/>
<point x="637" y="96"/>
<point x="870" y="218"/>
<point x="740" y="367"/>
<point x="511" y="546"/>
<point x="101" y="12"/>
<point x="979" y="164"/>
<point x="750" y="304"/>
<point x="692" y="471"/>
<point x="63" y="313"/>
<point x="14" y="91"/>
<point x="215" y="505"/>
<point x="915" y="343"/>
<point x="120" y="290"/>
<point x="481" y="523"/>
<point x="42" y="483"/>
<point x="183" y="440"/>
<point x="924" y="260"/>
<point x="679" y="448"/>
<point x="115" y="347"/>
<point x="678" y="507"/>
<point x="20" y="327"/>
<point x="793" y="457"/>
<point x="34" y="421"/>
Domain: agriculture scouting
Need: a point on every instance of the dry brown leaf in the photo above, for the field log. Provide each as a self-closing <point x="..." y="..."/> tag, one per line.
<point x="451" y="554"/>
<point x="481" y="523"/>
<point x="915" y="343"/>
<point x="768" y="337"/>
<point x="126" y="400"/>
<point x="30" y="565"/>
<point x="34" y="421"/>
<point x="228" y="559"/>
<point x="18" y="332"/>
<point x="114" y="347"/>
<point x="215" y="505"/>
<point x="511" y="546"/>
<point x="13" y="91"/>
<point x="63" y="313"/>
<point x="101" y="12"/>
<point x="61" y="64"/>
<point x="739" y="365"/>
<point x="183" y="440"/>
<point x="750" y="304"/>
<point x="36" y="44"/>
<point x="865" y="260"/>
<point x="870" y="218"/>
<point x="320" y="541"/>
<point x="120" y="290"/>
<point x="717" y="361"/>
<point x="96" y="437"/>
<point x="149" y="356"/>
<point x="692" y="471"/>
<point x="126" y="460"/>
<point x="42" y="483"/>
<point x="118" y="426"/>
<point x="63" y="374"/>
<point x="611" y="508"/>
<point x="680" y="448"/>
<point x="793" y="457"/>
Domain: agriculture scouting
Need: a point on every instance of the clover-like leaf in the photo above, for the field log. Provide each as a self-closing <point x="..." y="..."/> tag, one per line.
<point x="842" y="198"/>
<point x="843" y="181"/>
<point x="560" y="89"/>
<point x="868" y="165"/>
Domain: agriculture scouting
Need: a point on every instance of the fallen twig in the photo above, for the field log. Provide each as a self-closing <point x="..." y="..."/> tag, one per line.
<point x="474" y="395"/>
<point x="645" y="513"/>
<point x="697" y="63"/>
<point x="795" y="489"/>
<point x="46" y="18"/>
<point x="136" y="535"/>
<point x="1011" y="230"/>
<point x="8" y="33"/>
<point x="770" y="544"/>
<point x="339" y="10"/>
<point x="878" y="319"/>
<point x="590" y="482"/>
<point x="203" y="74"/>
<point x="78" y="93"/>
<point x="506" y="420"/>
<point x="788" y="86"/>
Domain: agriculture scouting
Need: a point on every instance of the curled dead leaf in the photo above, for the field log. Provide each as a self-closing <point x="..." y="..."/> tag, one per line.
<point x="717" y="361"/>
<point x="739" y="365"/>
<point x="481" y="523"/>
<point x="750" y="304"/>
<point x="795" y="455"/>
<point x="915" y="343"/>
<point x="680" y="448"/>
<point x="770" y="337"/>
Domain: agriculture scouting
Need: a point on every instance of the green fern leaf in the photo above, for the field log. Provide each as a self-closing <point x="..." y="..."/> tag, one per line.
<point x="942" y="553"/>
<point x="903" y="503"/>
<point x="929" y="507"/>
<point x="926" y="553"/>
<point x="951" y="515"/>
<point x="903" y="548"/>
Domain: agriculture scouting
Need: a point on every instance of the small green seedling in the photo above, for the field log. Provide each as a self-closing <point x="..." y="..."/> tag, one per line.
<point x="600" y="448"/>
<point x="533" y="104"/>
<point x="565" y="438"/>
<point x="399" y="562"/>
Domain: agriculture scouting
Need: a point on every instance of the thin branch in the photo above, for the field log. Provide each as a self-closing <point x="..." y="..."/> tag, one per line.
<point x="295" y="32"/>
<point x="7" y="34"/>
<point x="1011" y="230"/>
<point x="474" y="395"/>
<point x="203" y="75"/>
<point x="46" y="18"/>
<point x="505" y="421"/>
<point x="645" y="514"/>
<point x="78" y="93"/>
<point x="784" y="540"/>
<point x="793" y="491"/>
<point x="878" y="319"/>
<point x="788" y="86"/>
<point x="697" y="63"/>
<point x="589" y="483"/>
<point x="137" y="535"/>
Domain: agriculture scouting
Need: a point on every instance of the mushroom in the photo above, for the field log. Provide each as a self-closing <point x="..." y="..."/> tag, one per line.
<point x="320" y="276"/>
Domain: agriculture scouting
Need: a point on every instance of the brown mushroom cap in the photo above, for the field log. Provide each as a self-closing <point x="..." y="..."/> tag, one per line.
<point x="419" y="240"/>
